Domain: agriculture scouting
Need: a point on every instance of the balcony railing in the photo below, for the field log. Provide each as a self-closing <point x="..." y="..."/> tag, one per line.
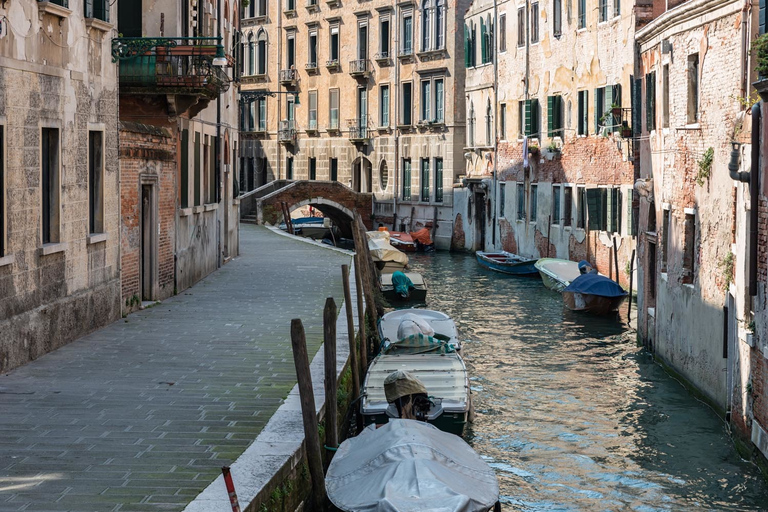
<point x="358" y="130"/>
<point x="179" y="65"/>
<point x="289" y="76"/>
<point x="286" y="133"/>
<point x="358" y="68"/>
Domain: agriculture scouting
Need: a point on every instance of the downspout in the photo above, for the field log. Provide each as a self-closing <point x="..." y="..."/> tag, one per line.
<point x="279" y="66"/>
<point x="495" y="121"/>
<point x="396" y="97"/>
<point x="217" y="152"/>
<point x="754" y="183"/>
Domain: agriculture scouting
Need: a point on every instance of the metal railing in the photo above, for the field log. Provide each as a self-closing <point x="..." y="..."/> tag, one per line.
<point x="172" y="64"/>
<point x="358" y="67"/>
<point x="381" y="56"/>
<point x="286" y="131"/>
<point x="358" y="129"/>
<point x="288" y="75"/>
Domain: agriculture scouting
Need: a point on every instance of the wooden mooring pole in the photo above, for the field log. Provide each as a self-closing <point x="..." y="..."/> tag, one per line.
<point x="631" y="272"/>
<point x="329" y="351"/>
<point x="361" y="315"/>
<point x="308" y="413"/>
<point x="351" y="330"/>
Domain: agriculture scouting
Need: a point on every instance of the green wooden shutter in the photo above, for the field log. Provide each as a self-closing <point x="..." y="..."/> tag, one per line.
<point x="594" y="207"/>
<point x="467" y="42"/>
<point x="528" y="118"/>
<point x="550" y="115"/>
<point x="585" y="118"/>
<point x="559" y="116"/>
<point x="610" y="217"/>
<point x="609" y="121"/>
<point x="650" y="101"/>
<point x="184" y="169"/>
<point x="631" y="215"/>
<point x="483" y="46"/>
<point x="596" y="109"/>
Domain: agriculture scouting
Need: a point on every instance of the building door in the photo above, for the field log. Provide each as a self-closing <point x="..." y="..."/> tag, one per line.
<point x="480" y="221"/>
<point x="147" y="242"/>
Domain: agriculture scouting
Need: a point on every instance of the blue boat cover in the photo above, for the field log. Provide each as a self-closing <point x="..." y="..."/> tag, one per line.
<point x="594" y="284"/>
<point x="401" y="283"/>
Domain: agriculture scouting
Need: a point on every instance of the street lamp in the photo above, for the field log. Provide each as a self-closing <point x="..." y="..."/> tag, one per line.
<point x="219" y="60"/>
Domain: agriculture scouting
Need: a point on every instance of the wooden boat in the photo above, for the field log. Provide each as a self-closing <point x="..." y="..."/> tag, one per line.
<point x="593" y="293"/>
<point x="387" y="258"/>
<point x="442" y="325"/>
<point x="409" y="465"/>
<point x="402" y="241"/>
<point x="418" y="292"/>
<point x="507" y="263"/>
<point x="556" y="274"/>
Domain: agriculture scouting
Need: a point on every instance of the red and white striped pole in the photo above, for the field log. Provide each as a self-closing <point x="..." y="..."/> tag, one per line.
<point x="230" y="489"/>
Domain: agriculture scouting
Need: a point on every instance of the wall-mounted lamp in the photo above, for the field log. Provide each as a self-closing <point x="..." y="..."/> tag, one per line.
<point x="220" y="60"/>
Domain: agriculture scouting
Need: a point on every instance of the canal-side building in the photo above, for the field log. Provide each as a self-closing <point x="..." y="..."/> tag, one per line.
<point x="368" y="94"/>
<point x="178" y="140"/>
<point x="694" y="306"/>
<point x="564" y="75"/>
<point x="59" y="220"/>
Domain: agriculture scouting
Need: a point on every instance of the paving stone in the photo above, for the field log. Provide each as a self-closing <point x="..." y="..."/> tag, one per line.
<point x="142" y="414"/>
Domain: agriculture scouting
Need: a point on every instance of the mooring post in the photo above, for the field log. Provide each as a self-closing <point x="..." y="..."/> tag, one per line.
<point x="308" y="413"/>
<point x="616" y="259"/>
<point x="631" y="271"/>
<point x="361" y="315"/>
<point x="549" y="232"/>
<point x="230" y="484"/>
<point x="329" y="351"/>
<point x="351" y="330"/>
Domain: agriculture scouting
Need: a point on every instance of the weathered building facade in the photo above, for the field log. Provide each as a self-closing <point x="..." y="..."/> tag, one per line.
<point x="367" y="95"/>
<point x="694" y="303"/>
<point x="59" y="186"/>
<point x="563" y="76"/>
<point x="179" y="135"/>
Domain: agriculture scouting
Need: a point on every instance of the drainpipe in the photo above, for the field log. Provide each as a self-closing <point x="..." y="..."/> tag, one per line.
<point x="396" y="96"/>
<point x="753" y="191"/>
<point x="217" y="152"/>
<point x="495" y="120"/>
<point x="279" y="66"/>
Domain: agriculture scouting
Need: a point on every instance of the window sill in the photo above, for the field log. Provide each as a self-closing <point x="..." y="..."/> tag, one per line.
<point x="100" y="25"/>
<point x="54" y="9"/>
<point x="198" y="209"/>
<point x="185" y="212"/>
<point x="95" y="238"/>
<point x="692" y="126"/>
<point x="211" y="206"/>
<point x="8" y="259"/>
<point x="53" y="248"/>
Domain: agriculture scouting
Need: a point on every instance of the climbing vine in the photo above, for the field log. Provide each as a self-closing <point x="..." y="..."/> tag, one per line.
<point x="726" y="265"/>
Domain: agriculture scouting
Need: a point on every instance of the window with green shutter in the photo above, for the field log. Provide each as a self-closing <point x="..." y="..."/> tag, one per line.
<point x="554" y="116"/>
<point x="483" y="46"/>
<point x="650" y="101"/>
<point x="583" y="113"/>
<point x="184" y="186"/>
<point x="532" y="114"/>
<point x="596" y="208"/>
<point x="406" y="179"/>
<point x="425" y="180"/>
<point x="467" y="48"/>
<point x="599" y="109"/>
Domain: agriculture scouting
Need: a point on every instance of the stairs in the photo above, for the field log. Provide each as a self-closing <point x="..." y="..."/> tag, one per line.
<point x="249" y="219"/>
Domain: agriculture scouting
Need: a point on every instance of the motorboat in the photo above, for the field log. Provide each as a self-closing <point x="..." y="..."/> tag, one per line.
<point x="402" y="241"/>
<point x="507" y="263"/>
<point x="556" y="274"/>
<point x="387" y="258"/>
<point x="417" y="290"/>
<point x="594" y="294"/>
<point x="442" y="326"/>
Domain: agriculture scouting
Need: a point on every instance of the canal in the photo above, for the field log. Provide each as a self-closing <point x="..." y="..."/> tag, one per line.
<point x="571" y="414"/>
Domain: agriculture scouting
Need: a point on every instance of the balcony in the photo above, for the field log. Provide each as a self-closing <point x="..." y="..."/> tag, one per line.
<point x="383" y="58"/>
<point x="311" y="68"/>
<point x="359" y="68"/>
<point x="181" y="68"/>
<point x="358" y="131"/>
<point x="312" y="128"/>
<point x="333" y="65"/>
<point x="313" y="6"/>
<point x="405" y="54"/>
<point x="289" y="77"/>
<point x="286" y="133"/>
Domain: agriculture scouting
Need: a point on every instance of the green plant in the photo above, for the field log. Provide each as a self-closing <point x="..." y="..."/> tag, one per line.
<point x="246" y="3"/>
<point x="553" y="147"/>
<point x="759" y="49"/>
<point x="726" y="265"/>
<point x="628" y="268"/>
<point x="132" y="301"/>
<point x="748" y="101"/>
<point x="534" y="149"/>
<point x="751" y="327"/>
<point x="705" y="166"/>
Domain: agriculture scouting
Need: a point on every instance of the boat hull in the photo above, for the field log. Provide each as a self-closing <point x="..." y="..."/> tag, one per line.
<point x="594" y="304"/>
<point x="521" y="268"/>
<point x="418" y="294"/>
<point x="552" y="283"/>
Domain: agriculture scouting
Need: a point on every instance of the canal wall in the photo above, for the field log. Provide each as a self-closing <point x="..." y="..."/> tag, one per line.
<point x="272" y="473"/>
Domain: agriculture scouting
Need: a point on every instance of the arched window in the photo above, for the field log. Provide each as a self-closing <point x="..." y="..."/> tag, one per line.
<point x="261" y="39"/>
<point x="488" y="123"/>
<point x="440" y="24"/>
<point x="427" y="11"/>
<point x="250" y="51"/>
<point x="383" y="176"/>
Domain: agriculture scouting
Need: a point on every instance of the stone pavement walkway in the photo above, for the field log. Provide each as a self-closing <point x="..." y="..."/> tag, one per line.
<point x="141" y="415"/>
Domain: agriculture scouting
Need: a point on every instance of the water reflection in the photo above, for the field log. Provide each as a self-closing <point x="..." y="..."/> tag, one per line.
<point x="571" y="414"/>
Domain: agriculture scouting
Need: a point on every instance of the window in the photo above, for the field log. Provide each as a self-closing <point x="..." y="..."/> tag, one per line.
<point x="604" y="206"/>
<point x="583" y="113"/>
<point x="406" y="179"/>
<point x="521" y="27"/>
<point x="250" y="50"/>
<point x="406" y="47"/>
<point x="486" y="40"/>
<point x="534" y="202"/>
<point x="438" y="180"/>
<point x="521" y="118"/>
<point x="440" y="15"/>
<point x="290" y="5"/>
<point x="383" y="176"/>
<point x="312" y="57"/>
<point x="554" y="116"/>
<point x="50" y="184"/>
<point x="262" y="7"/>
<point x="534" y="22"/>
<point x="432" y="100"/>
<point x="384" y="38"/>
<point x="532" y="114"/>
<point x="582" y="13"/>
<point x="439" y="100"/>
<point x="603" y="8"/>
<point x="616" y="8"/>
<point x="503" y="120"/>
<point x="432" y="25"/>
<point x="652" y="271"/>
<point x="289" y="168"/>
<point x="3" y="213"/>
<point x="427" y="14"/>
<point x="693" y="88"/>
<point x="425" y="179"/>
<point x="689" y="248"/>
<point x="650" y="102"/>
<point x="95" y="182"/>
<point x="520" y="201"/>
<point x="503" y="33"/>
<point x="555" y="205"/>
<point x="334" y="169"/>
<point x="313" y="168"/>
<point x="665" y="96"/>
<point x="426" y="103"/>
<point x="599" y="108"/>
<point x="581" y="217"/>
<point x="312" y="110"/>
<point x="333" y="109"/>
<point x="250" y="10"/>
<point x="384" y="106"/>
<point x="469" y="45"/>
<point x="557" y="17"/>
<point x="184" y="185"/>
<point x="261" y="110"/>
<point x="362" y="107"/>
<point x="362" y="39"/>
<point x="261" y="40"/>
<point x="407" y="99"/>
<point x="502" y="199"/>
<point x="613" y="210"/>
<point x="333" y="50"/>
<point x="762" y="18"/>
<point x="290" y="50"/>
<point x="567" y="205"/>
<point x="664" y="239"/>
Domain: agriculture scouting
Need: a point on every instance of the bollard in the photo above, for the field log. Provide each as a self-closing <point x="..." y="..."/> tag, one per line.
<point x="230" y="489"/>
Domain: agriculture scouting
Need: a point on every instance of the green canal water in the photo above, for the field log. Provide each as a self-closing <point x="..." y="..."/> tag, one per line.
<point x="571" y="414"/>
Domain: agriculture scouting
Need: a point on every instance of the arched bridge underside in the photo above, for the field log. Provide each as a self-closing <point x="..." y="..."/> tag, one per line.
<point x="336" y="201"/>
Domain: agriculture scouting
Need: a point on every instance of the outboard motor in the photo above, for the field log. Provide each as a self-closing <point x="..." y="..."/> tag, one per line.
<point x="408" y="394"/>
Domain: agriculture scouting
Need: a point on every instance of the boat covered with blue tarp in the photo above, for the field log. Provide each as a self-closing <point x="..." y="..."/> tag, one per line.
<point x="594" y="293"/>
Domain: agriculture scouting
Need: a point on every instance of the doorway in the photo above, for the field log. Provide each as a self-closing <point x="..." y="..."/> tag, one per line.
<point x="362" y="175"/>
<point x="480" y="221"/>
<point x="148" y="246"/>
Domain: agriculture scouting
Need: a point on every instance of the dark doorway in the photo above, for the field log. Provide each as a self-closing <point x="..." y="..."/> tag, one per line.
<point x="479" y="221"/>
<point x="147" y="242"/>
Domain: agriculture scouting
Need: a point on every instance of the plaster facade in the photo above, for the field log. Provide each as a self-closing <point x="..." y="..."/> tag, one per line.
<point x="375" y="95"/>
<point x="59" y="185"/>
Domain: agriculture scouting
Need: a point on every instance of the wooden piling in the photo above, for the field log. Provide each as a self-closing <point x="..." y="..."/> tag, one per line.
<point x="549" y="232"/>
<point x="361" y="316"/>
<point x="287" y="217"/>
<point x="329" y="351"/>
<point x="631" y="271"/>
<point x="351" y="330"/>
<point x="616" y="259"/>
<point x="308" y="413"/>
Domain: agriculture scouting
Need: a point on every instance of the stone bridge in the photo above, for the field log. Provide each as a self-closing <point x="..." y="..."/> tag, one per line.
<point x="338" y="202"/>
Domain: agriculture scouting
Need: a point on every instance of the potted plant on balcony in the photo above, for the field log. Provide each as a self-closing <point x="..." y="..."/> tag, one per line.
<point x="616" y="111"/>
<point x="759" y="50"/>
<point x="626" y="130"/>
